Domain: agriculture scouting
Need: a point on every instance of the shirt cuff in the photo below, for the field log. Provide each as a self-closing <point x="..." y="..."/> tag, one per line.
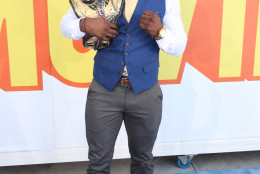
<point x="165" y="42"/>
<point x="75" y="26"/>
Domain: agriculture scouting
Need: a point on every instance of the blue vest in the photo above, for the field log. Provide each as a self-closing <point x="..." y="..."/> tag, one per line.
<point x="134" y="48"/>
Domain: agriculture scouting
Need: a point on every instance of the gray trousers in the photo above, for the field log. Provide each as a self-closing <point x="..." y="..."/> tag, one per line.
<point x="105" y="113"/>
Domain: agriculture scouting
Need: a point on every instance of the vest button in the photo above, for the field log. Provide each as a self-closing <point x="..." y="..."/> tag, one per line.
<point x="127" y="44"/>
<point x="122" y="63"/>
<point x="128" y="34"/>
<point x="125" y="26"/>
<point x="119" y="72"/>
<point x="126" y="54"/>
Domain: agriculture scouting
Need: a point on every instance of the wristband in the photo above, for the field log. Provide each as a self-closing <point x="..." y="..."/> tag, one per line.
<point x="82" y="25"/>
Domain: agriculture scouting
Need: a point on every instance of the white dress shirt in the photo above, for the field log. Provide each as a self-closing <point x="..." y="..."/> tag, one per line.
<point x="174" y="43"/>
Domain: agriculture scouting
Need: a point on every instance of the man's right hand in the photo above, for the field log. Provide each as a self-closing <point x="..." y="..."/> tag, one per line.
<point x="99" y="28"/>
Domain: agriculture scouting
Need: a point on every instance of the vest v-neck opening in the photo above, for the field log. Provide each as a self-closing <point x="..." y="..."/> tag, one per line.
<point x="133" y="15"/>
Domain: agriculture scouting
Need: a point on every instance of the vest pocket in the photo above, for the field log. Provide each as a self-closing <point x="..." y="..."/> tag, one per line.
<point x="152" y="66"/>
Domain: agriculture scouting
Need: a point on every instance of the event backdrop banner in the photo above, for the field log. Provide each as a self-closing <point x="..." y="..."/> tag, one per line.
<point x="211" y="92"/>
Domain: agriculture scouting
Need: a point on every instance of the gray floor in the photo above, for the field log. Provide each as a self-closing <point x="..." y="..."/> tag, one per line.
<point x="163" y="165"/>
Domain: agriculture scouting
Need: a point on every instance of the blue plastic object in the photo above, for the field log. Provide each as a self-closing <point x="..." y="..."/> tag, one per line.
<point x="184" y="166"/>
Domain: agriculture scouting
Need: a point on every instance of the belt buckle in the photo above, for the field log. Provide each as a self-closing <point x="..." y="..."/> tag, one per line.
<point x="122" y="80"/>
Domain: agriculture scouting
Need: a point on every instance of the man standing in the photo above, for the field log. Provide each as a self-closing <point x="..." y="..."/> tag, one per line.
<point x="125" y="86"/>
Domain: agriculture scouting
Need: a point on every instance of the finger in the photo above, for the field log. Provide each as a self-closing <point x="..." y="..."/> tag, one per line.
<point x="145" y="22"/>
<point x="146" y="17"/>
<point x="109" y="35"/>
<point x="144" y="27"/>
<point x="111" y="25"/>
<point x="105" y="38"/>
<point x="149" y="13"/>
<point x="112" y="31"/>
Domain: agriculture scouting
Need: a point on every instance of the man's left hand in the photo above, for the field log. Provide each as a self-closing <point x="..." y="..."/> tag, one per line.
<point x="151" y="23"/>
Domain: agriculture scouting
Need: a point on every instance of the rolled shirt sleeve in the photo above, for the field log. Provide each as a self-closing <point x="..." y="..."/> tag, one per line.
<point x="175" y="41"/>
<point x="70" y="26"/>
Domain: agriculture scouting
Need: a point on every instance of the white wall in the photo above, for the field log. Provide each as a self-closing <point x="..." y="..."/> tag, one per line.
<point x="199" y="116"/>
